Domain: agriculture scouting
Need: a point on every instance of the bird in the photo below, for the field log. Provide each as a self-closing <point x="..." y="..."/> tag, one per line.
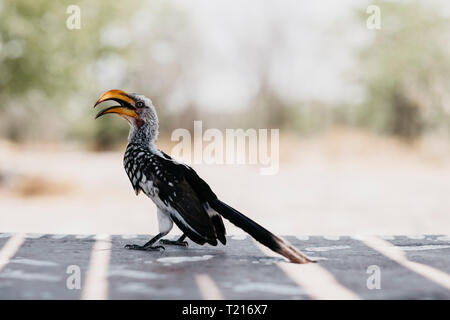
<point x="180" y="195"/>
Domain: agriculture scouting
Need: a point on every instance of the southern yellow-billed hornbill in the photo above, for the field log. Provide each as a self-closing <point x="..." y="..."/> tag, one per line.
<point x="180" y="195"/>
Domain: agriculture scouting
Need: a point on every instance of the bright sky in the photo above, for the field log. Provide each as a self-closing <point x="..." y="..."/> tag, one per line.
<point x="306" y="50"/>
<point x="305" y="47"/>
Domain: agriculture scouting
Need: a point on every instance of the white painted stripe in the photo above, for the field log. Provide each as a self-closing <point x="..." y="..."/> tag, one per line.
<point x="34" y="235"/>
<point x="317" y="282"/>
<point x="416" y="237"/>
<point x="96" y="284"/>
<point x="396" y="254"/>
<point x="386" y="237"/>
<point x="425" y="247"/>
<point x="332" y="238"/>
<point x="82" y="236"/>
<point x="321" y="249"/>
<point x="129" y="236"/>
<point x="208" y="288"/>
<point x="59" y="236"/>
<point x="10" y="248"/>
<point x="239" y="237"/>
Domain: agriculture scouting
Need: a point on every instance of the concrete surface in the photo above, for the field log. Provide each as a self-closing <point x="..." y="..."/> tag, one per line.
<point x="38" y="269"/>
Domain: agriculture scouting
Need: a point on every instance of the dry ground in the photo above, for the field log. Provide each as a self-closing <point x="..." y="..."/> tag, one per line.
<point x="338" y="183"/>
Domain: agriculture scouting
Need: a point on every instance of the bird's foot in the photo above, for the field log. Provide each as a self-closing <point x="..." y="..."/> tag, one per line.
<point x="174" y="242"/>
<point x="144" y="248"/>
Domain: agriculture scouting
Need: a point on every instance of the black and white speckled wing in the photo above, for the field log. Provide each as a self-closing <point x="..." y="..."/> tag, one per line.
<point x="206" y="197"/>
<point x="133" y="156"/>
<point x="166" y="182"/>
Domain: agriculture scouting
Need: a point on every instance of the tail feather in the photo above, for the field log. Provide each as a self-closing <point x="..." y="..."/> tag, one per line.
<point x="220" y="228"/>
<point x="259" y="233"/>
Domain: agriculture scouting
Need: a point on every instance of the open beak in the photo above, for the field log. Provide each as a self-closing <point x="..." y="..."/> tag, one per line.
<point x="126" y="108"/>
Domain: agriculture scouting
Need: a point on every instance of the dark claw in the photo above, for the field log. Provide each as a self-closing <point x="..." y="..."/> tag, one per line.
<point x="174" y="243"/>
<point x="144" y="248"/>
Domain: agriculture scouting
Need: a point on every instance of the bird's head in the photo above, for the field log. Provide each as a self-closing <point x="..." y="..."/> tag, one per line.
<point x="137" y="109"/>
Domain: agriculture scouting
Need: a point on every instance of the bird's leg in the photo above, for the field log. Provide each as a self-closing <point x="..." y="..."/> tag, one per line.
<point x="179" y="242"/>
<point x="148" y="246"/>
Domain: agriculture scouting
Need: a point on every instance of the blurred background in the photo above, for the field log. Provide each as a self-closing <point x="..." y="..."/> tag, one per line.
<point x="364" y="115"/>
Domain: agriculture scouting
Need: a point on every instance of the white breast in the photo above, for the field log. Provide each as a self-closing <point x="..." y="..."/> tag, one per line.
<point x="148" y="188"/>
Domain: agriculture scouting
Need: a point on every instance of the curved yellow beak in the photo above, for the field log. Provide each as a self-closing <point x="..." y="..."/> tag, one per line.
<point x="126" y="108"/>
<point x="117" y="95"/>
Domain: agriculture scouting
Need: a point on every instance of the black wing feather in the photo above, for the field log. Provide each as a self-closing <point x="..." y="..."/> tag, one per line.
<point x="171" y="179"/>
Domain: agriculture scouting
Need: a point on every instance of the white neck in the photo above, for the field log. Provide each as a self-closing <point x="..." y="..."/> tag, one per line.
<point x="146" y="134"/>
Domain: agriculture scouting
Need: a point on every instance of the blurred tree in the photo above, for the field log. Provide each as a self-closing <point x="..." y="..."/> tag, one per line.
<point x="405" y="70"/>
<point x="43" y="63"/>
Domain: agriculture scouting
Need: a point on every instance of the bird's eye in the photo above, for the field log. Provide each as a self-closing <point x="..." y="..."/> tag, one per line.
<point x="139" y="104"/>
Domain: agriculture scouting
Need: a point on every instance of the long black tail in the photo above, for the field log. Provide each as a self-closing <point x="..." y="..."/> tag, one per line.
<point x="259" y="233"/>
